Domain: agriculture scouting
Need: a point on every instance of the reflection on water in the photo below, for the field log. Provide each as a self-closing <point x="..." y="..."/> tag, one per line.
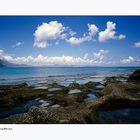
<point x="125" y="116"/>
<point x="54" y="89"/>
<point x="90" y="97"/>
<point x="23" y="108"/>
<point x="72" y="91"/>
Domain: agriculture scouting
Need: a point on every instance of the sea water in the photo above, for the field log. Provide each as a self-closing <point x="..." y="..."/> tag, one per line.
<point x="64" y="75"/>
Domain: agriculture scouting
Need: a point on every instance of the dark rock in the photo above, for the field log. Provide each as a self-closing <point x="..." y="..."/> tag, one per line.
<point x="135" y="76"/>
<point x="75" y="114"/>
<point x="74" y="85"/>
<point x="17" y="119"/>
<point x="72" y="109"/>
<point x="110" y="80"/>
<point x="71" y="114"/>
<point x="91" y="84"/>
<point x="116" y="97"/>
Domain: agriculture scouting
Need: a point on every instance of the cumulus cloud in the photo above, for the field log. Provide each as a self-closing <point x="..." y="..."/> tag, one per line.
<point x="130" y="60"/>
<point x="77" y="41"/>
<point x="92" y="31"/>
<point x="74" y="40"/>
<point x="48" y="31"/>
<point x="110" y="33"/>
<point x="96" y="59"/>
<point x="137" y="44"/>
<point x="55" y="30"/>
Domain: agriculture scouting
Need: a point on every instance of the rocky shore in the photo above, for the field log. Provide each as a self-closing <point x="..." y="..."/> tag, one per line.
<point x="75" y="104"/>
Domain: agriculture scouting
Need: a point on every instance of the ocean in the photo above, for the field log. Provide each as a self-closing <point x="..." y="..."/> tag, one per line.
<point x="61" y="75"/>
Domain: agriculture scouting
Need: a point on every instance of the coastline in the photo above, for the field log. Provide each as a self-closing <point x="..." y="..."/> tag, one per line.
<point x="76" y="103"/>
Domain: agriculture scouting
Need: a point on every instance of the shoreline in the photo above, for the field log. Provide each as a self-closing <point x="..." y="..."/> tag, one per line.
<point x="78" y="103"/>
<point x="39" y="75"/>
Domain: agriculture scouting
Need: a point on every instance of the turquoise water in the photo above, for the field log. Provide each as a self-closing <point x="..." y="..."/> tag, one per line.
<point x="63" y="75"/>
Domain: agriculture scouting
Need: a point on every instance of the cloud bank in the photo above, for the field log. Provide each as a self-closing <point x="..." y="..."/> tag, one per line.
<point x="130" y="60"/>
<point x="96" y="59"/>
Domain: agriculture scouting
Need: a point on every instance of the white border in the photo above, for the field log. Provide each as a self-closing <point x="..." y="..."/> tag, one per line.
<point x="70" y="7"/>
<point x="71" y="132"/>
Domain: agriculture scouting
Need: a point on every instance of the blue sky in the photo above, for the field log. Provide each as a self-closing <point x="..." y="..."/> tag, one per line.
<point x="70" y="40"/>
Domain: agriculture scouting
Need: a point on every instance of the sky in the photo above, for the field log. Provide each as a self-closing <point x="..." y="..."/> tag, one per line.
<point x="70" y="40"/>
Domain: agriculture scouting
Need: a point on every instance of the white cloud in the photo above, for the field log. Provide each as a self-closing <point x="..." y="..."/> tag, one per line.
<point x="130" y="60"/>
<point x="48" y="31"/>
<point x="55" y="31"/>
<point x="99" y="56"/>
<point x="110" y="33"/>
<point x="96" y="59"/>
<point x="77" y="41"/>
<point x="137" y="45"/>
<point x="92" y="31"/>
<point x="121" y="36"/>
<point x="4" y="56"/>
<point x="18" y="44"/>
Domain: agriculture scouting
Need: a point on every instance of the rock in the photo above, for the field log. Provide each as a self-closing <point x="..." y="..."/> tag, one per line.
<point x="135" y="76"/>
<point x="90" y="84"/>
<point x="110" y="80"/>
<point x="75" y="114"/>
<point x="38" y="115"/>
<point x="70" y="108"/>
<point x="117" y="96"/>
<point x="71" y="114"/>
<point x="18" y="119"/>
<point x="74" y="85"/>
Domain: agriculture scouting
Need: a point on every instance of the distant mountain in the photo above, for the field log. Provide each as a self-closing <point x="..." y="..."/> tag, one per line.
<point x="4" y="63"/>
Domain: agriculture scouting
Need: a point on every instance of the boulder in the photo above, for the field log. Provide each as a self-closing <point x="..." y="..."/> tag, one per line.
<point x="135" y="76"/>
<point x="116" y="97"/>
